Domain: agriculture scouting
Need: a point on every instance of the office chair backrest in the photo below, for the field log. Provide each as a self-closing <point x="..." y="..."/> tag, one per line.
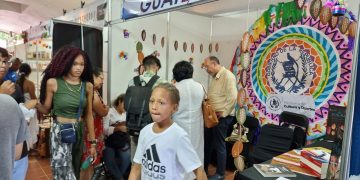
<point x="273" y="140"/>
<point x="299" y="123"/>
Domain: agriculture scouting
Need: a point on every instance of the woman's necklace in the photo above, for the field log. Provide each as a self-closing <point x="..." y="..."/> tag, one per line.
<point x="72" y="90"/>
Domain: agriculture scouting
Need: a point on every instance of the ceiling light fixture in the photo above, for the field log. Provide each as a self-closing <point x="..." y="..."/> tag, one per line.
<point x="82" y="3"/>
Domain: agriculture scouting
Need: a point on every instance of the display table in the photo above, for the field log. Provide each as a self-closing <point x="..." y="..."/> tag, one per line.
<point x="252" y="173"/>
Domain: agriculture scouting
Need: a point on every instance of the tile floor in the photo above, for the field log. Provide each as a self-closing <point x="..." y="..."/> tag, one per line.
<point x="39" y="169"/>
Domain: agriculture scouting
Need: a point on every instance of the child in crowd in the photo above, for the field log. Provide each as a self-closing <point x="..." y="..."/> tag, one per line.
<point x="117" y="150"/>
<point x="164" y="150"/>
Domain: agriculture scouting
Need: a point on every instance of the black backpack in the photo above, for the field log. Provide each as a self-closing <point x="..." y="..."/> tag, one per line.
<point x="136" y="104"/>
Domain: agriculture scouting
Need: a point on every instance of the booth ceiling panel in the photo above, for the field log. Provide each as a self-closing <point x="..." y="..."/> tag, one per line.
<point x="19" y="15"/>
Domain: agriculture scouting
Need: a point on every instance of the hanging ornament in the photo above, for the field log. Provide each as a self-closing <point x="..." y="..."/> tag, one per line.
<point x="245" y="42"/>
<point x="237" y="149"/>
<point x="241" y="97"/>
<point x="143" y="35"/>
<point x="339" y="8"/>
<point x="334" y="21"/>
<point x="154" y="39"/>
<point x="162" y="42"/>
<point x="123" y="55"/>
<point x="184" y="46"/>
<point x="245" y="60"/>
<point x="300" y="3"/>
<point x="239" y="163"/>
<point x="176" y="45"/>
<point x="217" y="47"/>
<point x="139" y="46"/>
<point x="344" y="24"/>
<point x="201" y="48"/>
<point x="325" y="14"/>
<point x="210" y="48"/>
<point x="192" y="48"/>
<point x="243" y="78"/>
<point x="140" y="57"/>
<point x="126" y="33"/>
<point x="241" y="115"/>
<point x="315" y="8"/>
<point x="352" y="29"/>
<point x="191" y="60"/>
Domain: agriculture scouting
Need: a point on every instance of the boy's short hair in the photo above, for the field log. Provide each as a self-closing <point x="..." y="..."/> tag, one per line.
<point x="151" y="60"/>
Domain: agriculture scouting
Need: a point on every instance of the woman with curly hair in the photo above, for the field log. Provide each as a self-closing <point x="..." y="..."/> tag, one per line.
<point x="67" y="92"/>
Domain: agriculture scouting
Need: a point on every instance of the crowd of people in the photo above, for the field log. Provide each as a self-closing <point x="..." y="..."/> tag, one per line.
<point x="87" y="135"/>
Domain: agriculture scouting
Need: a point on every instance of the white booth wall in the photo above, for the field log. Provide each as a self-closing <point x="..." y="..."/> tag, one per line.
<point x="122" y="71"/>
<point x="174" y="26"/>
<point x="197" y="32"/>
<point x="228" y="31"/>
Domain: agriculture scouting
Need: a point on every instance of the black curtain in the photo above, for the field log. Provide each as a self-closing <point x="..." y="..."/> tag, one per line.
<point x="70" y="34"/>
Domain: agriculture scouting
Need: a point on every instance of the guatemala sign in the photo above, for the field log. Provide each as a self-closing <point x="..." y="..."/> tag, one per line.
<point x="137" y="8"/>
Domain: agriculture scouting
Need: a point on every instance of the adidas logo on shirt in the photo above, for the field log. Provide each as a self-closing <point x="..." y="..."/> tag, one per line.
<point x="152" y="164"/>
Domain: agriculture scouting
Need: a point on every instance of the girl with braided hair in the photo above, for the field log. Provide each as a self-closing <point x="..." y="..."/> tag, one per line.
<point x="68" y="74"/>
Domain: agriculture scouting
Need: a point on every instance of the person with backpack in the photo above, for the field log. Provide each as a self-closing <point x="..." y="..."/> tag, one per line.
<point x="137" y="99"/>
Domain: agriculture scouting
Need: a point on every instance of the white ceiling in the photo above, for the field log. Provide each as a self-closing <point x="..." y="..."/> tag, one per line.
<point x="19" y="15"/>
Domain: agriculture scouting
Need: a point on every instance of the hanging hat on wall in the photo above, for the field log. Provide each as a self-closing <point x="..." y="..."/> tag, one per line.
<point x="339" y="8"/>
